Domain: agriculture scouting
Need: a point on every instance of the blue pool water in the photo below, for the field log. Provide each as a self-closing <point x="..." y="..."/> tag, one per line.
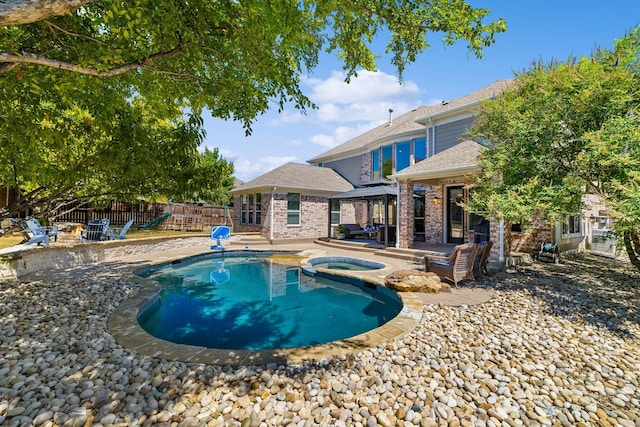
<point x="251" y="303"/>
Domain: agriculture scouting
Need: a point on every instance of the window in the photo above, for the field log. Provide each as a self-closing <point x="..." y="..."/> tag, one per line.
<point x="419" y="149"/>
<point x="335" y="212"/>
<point x="571" y="225"/>
<point x="293" y="209"/>
<point x="258" y="207"/>
<point x="375" y="164"/>
<point x="403" y="155"/>
<point x="387" y="161"/>
<point x="250" y="207"/>
<point x="243" y="209"/>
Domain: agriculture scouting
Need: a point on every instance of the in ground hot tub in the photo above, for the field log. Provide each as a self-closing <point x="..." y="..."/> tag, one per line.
<point x="344" y="263"/>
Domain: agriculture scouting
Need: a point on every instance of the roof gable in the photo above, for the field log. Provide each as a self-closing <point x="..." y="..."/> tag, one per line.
<point x="296" y="176"/>
<point x="412" y="121"/>
<point x="460" y="158"/>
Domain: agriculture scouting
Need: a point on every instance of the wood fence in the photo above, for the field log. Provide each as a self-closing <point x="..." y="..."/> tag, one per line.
<point x="184" y="216"/>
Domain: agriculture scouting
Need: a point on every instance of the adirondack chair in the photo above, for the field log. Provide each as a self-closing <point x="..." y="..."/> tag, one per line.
<point x="113" y="233"/>
<point x="39" y="234"/>
<point x="95" y="231"/>
<point x="220" y="234"/>
<point x="458" y="266"/>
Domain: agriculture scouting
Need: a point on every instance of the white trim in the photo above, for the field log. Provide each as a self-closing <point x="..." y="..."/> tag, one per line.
<point x="501" y="238"/>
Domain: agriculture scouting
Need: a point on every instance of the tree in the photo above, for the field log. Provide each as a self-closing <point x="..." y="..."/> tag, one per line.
<point x="563" y="129"/>
<point x="87" y="140"/>
<point x="232" y="57"/>
<point x="94" y="91"/>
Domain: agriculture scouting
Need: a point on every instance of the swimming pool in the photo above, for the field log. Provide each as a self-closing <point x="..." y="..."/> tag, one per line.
<point x="248" y="302"/>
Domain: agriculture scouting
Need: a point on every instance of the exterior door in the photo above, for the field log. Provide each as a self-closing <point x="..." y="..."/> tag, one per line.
<point x="455" y="215"/>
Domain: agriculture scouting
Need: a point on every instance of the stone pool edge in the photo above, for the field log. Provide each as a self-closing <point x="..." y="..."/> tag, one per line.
<point x="124" y="327"/>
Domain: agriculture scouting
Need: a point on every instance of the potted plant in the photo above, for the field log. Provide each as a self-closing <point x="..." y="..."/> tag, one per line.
<point x="340" y="232"/>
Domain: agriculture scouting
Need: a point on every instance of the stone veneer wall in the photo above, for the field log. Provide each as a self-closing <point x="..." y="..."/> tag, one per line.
<point x="433" y="215"/>
<point x="406" y="220"/>
<point x="365" y="168"/>
<point x="32" y="260"/>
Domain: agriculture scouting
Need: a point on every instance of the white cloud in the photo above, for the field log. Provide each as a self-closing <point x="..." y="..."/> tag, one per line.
<point x="339" y="135"/>
<point x="247" y="170"/>
<point x="368" y="87"/>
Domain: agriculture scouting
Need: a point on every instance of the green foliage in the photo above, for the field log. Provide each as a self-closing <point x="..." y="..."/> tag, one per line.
<point x="92" y="141"/>
<point x="94" y="100"/>
<point x="234" y="58"/>
<point x="563" y="129"/>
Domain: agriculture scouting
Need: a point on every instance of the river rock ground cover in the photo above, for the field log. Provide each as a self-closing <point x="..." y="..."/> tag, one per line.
<point x="557" y="345"/>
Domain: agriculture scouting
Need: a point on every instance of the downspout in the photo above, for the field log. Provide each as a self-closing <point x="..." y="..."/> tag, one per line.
<point x="397" y="213"/>
<point x="272" y="208"/>
<point x="501" y="237"/>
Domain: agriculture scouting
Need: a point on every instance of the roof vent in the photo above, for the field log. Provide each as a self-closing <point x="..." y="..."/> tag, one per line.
<point x="390" y="119"/>
<point x="445" y="102"/>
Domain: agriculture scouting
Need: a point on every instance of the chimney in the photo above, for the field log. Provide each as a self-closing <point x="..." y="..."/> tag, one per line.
<point x="390" y="119"/>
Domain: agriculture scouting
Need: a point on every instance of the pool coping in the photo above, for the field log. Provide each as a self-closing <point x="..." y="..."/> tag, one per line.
<point x="124" y="327"/>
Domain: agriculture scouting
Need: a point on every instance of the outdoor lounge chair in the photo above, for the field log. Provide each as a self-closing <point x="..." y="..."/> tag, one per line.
<point x="39" y="234"/>
<point x="456" y="267"/>
<point x="113" y="234"/>
<point x="480" y="263"/>
<point x="221" y="234"/>
<point x="95" y="231"/>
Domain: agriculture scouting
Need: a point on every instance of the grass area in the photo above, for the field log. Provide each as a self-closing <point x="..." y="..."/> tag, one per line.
<point x="14" y="238"/>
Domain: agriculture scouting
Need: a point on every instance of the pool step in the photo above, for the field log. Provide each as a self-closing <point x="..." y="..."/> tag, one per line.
<point x="415" y="255"/>
<point x="351" y="245"/>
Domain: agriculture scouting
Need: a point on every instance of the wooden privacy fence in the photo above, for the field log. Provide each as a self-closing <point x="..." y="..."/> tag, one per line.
<point x="184" y="216"/>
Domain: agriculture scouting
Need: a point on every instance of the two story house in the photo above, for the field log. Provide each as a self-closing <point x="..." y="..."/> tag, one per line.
<point x="408" y="179"/>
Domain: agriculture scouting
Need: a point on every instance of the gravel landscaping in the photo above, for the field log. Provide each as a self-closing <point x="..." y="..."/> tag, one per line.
<point x="556" y="345"/>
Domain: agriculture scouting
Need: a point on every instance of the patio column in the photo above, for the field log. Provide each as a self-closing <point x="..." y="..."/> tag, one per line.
<point x="405" y="215"/>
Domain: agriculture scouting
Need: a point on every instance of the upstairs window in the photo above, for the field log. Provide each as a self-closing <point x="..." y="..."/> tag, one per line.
<point x="403" y="155"/>
<point x="375" y="164"/>
<point x="419" y="149"/>
<point x="387" y="161"/>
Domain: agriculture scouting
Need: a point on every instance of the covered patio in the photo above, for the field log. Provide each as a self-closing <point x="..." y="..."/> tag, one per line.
<point x="374" y="205"/>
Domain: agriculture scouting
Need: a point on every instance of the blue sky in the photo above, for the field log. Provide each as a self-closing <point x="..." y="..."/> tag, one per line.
<point x="535" y="30"/>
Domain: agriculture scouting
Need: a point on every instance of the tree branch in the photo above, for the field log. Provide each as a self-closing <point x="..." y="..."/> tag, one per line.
<point x="10" y="60"/>
<point x="18" y="12"/>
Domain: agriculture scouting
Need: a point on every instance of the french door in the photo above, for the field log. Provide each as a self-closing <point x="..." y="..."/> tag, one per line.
<point x="455" y="215"/>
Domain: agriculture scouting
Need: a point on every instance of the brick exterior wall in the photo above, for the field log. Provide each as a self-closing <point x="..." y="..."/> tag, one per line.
<point x="314" y="218"/>
<point x="528" y="240"/>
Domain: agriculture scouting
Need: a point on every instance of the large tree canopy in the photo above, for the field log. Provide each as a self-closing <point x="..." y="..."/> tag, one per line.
<point x="233" y="57"/>
<point x="566" y="128"/>
<point x="86" y="140"/>
<point x="95" y="92"/>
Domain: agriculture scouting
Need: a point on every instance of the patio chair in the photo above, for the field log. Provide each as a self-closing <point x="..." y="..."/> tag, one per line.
<point x="39" y="234"/>
<point x="113" y="233"/>
<point x="456" y="267"/>
<point x="95" y="231"/>
<point x="221" y="234"/>
<point x="480" y="263"/>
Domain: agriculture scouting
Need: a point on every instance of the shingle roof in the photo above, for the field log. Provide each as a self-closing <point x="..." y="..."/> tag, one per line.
<point x="296" y="176"/>
<point x="410" y="122"/>
<point x="399" y="125"/>
<point x="458" y="159"/>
